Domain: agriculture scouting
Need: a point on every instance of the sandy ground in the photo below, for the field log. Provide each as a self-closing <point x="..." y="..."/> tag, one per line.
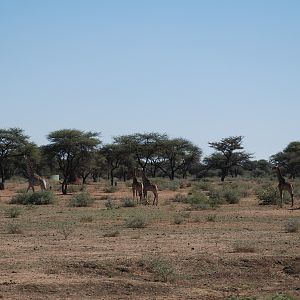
<point x="62" y="252"/>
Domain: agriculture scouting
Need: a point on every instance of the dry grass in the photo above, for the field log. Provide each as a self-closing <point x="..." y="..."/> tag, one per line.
<point x="101" y="251"/>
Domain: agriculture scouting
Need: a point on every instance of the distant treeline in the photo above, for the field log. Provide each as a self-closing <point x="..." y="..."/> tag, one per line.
<point x="76" y="154"/>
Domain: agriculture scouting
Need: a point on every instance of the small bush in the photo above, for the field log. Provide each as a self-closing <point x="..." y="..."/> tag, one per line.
<point x="83" y="199"/>
<point x="109" y="204"/>
<point x="163" y="271"/>
<point x="203" y="185"/>
<point x="268" y="195"/>
<point x="86" y="219"/>
<point x="136" y="222"/>
<point x="178" y="219"/>
<point x="281" y="296"/>
<point x="232" y="196"/>
<point x="13" y="228"/>
<point x="36" y="198"/>
<point x="112" y="233"/>
<point x="13" y="212"/>
<point x="200" y="201"/>
<point x="292" y="225"/>
<point x="211" y="218"/>
<point x="110" y="189"/>
<point x="180" y="198"/>
<point x="241" y="298"/>
<point x="73" y="188"/>
<point x="244" y="247"/>
<point x="127" y="202"/>
<point x="65" y="228"/>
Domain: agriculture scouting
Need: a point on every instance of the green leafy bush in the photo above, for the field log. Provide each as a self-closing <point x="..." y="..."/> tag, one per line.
<point x="36" y="198"/>
<point x="136" y="222"/>
<point x="13" y="212"/>
<point x="14" y="228"/>
<point x="163" y="271"/>
<point x="267" y="195"/>
<point x="83" y="199"/>
<point x="110" y="189"/>
<point x="127" y="202"/>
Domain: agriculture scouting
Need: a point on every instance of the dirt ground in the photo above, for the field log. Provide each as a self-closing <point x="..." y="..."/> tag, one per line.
<point x="61" y="252"/>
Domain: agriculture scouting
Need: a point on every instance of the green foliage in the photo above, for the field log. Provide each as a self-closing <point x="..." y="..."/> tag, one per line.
<point x="241" y="298"/>
<point x="281" y="296"/>
<point x="163" y="271"/>
<point x="232" y="196"/>
<point x="200" y="200"/>
<point x="86" y="219"/>
<point x="83" y="199"/>
<point x="268" y="195"/>
<point x="13" y="212"/>
<point x="14" y="228"/>
<point x="109" y="204"/>
<point x="178" y="219"/>
<point x="172" y="185"/>
<point x="36" y="198"/>
<point x="113" y="233"/>
<point x="127" y="202"/>
<point x="65" y="228"/>
<point x="72" y="188"/>
<point x="136" y="222"/>
<point x="180" y="198"/>
<point x="71" y="150"/>
<point x="110" y="189"/>
<point x="211" y="218"/>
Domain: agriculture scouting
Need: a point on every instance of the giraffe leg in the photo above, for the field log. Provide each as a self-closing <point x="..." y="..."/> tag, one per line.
<point x="292" y="197"/>
<point x="281" y="198"/>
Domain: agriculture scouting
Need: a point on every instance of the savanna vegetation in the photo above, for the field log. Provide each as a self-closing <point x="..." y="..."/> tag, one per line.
<point x="217" y="232"/>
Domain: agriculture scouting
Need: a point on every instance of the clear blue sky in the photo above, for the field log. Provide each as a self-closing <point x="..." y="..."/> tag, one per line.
<point x="202" y="70"/>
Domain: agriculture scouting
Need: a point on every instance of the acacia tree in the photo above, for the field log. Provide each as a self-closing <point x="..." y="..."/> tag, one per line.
<point x="12" y="144"/>
<point x="177" y="155"/>
<point x="289" y="158"/>
<point x="114" y="155"/>
<point x="144" y="146"/>
<point x="227" y="155"/>
<point x="70" y="148"/>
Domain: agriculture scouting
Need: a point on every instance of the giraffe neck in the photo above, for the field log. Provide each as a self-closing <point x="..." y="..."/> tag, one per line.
<point x="280" y="177"/>
<point x="30" y="172"/>
<point x="144" y="178"/>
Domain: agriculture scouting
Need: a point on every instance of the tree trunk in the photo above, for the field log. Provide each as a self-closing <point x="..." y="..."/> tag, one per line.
<point x="64" y="187"/>
<point x="224" y="174"/>
<point x="2" y="178"/>
<point x="172" y="175"/>
<point x="111" y="177"/>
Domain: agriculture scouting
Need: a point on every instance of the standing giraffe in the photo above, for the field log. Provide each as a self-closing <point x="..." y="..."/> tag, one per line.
<point x="148" y="186"/>
<point x="283" y="186"/>
<point x="137" y="187"/>
<point x="33" y="179"/>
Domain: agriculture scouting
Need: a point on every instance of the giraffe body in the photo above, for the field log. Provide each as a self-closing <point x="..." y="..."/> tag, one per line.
<point x="33" y="178"/>
<point x="283" y="185"/>
<point x="148" y="186"/>
<point x="137" y="189"/>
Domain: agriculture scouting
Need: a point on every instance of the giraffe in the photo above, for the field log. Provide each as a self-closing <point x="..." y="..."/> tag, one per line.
<point x="33" y="179"/>
<point x="283" y="186"/>
<point x="137" y="187"/>
<point x="148" y="186"/>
